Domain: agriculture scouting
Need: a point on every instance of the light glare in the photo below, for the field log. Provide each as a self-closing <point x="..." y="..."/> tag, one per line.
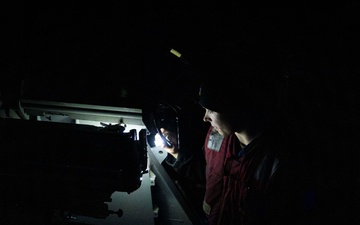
<point x="158" y="140"/>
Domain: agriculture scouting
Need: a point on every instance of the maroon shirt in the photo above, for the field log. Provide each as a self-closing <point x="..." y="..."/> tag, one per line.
<point x="247" y="189"/>
<point x="259" y="187"/>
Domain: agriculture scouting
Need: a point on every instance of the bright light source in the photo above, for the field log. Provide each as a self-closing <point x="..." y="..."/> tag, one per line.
<point x="158" y="141"/>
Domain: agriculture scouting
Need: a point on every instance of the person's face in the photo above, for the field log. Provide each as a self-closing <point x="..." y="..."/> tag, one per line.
<point x="220" y="122"/>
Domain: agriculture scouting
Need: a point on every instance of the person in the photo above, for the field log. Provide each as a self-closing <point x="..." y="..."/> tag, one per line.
<point x="254" y="173"/>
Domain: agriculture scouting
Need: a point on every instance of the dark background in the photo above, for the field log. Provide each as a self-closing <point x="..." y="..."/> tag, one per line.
<point x="118" y="54"/>
<point x="114" y="51"/>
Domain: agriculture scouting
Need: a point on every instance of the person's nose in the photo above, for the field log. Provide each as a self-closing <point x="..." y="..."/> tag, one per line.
<point x="206" y="118"/>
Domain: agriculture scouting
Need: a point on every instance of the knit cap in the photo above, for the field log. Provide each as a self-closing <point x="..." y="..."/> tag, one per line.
<point x="219" y="96"/>
<point x="232" y="92"/>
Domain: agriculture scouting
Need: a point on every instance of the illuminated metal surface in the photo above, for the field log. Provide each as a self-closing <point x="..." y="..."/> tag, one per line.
<point x="83" y="111"/>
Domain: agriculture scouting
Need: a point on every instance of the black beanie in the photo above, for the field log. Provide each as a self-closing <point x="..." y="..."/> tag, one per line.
<point x="220" y="96"/>
<point x="238" y="80"/>
<point x="237" y="93"/>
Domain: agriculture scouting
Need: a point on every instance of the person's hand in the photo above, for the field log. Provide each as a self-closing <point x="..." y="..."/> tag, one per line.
<point x="172" y="138"/>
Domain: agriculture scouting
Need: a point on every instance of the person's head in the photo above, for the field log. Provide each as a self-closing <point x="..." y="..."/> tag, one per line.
<point x="237" y="99"/>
